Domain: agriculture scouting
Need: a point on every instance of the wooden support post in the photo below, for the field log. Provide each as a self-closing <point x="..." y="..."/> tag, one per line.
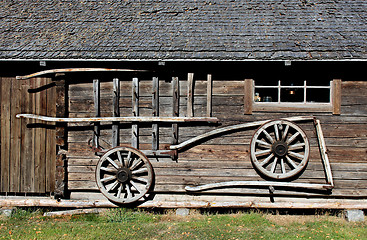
<point x="209" y="95"/>
<point x="116" y="112"/>
<point x="175" y="108"/>
<point x="190" y="95"/>
<point x="155" y="112"/>
<point x="97" y="111"/>
<point x="336" y="96"/>
<point x="249" y="95"/>
<point x="135" y="112"/>
<point x="61" y="143"/>
<point x="323" y="152"/>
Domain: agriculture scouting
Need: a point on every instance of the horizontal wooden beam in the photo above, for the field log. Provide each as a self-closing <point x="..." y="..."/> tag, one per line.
<point x="260" y="184"/>
<point x="74" y="70"/>
<point x="120" y="119"/>
<point x="279" y="204"/>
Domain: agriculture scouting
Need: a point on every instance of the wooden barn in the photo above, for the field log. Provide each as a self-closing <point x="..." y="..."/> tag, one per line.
<point x="195" y="104"/>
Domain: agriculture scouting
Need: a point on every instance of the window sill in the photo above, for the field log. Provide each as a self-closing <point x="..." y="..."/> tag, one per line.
<point x="291" y="107"/>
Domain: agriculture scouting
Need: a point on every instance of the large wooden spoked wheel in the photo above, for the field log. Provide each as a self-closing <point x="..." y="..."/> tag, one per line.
<point x="279" y="149"/>
<point x="124" y="174"/>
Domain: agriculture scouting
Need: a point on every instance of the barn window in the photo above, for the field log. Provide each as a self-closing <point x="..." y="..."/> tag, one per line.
<point x="288" y="96"/>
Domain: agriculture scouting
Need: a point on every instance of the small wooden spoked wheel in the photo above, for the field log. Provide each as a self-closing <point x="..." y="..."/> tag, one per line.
<point x="124" y="174"/>
<point x="279" y="149"/>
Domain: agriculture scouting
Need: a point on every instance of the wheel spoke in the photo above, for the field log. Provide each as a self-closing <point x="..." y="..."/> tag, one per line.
<point x="263" y="144"/>
<point x="291" y="139"/>
<point x="296" y="155"/>
<point x="120" y="158"/>
<point x="291" y="162"/>
<point x="140" y="179"/>
<point x="142" y="170"/>
<point x="268" y="136"/>
<point x="112" y="162"/>
<point x="263" y="152"/>
<point x="296" y="146"/>
<point x="129" y="194"/>
<point x="135" y="186"/>
<point x="109" y="170"/>
<point x="108" y="178"/>
<point x="285" y="132"/>
<point x="119" y="191"/>
<point x="274" y="165"/>
<point x="267" y="159"/>
<point x="276" y="131"/>
<point x="128" y="159"/>
<point x="282" y="165"/>
<point x="112" y="186"/>
<point x="136" y="163"/>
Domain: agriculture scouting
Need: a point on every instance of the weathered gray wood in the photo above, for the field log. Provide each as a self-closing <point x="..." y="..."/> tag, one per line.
<point x="190" y="94"/>
<point x="258" y="183"/>
<point x="176" y="107"/>
<point x="135" y="112"/>
<point x="209" y="95"/>
<point x="119" y="119"/>
<point x="336" y="96"/>
<point x="165" y="201"/>
<point x="155" y="113"/>
<point x="97" y="114"/>
<point x="248" y="95"/>
<point x="71" y="70"/>
<point x="116" y="111"/>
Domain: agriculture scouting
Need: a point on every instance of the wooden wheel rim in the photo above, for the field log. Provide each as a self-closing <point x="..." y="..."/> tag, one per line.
<point x="279" y="149"/>
<point x="124" y="174"/>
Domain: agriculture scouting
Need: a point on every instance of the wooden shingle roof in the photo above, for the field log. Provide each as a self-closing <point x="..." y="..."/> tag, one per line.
<point x="183" y="29"/>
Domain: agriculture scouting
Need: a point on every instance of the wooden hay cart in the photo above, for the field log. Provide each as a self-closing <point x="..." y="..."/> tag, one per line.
<point x="279" y="149"/>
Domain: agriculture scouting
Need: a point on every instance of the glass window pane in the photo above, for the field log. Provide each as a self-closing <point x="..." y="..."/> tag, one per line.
<point x="266" y="94"/>
<point x="318" y="95"/>
<point x="291" y="95"/>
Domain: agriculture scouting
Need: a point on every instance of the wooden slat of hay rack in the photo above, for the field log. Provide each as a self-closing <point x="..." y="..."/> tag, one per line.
<point x="135" y="119"/>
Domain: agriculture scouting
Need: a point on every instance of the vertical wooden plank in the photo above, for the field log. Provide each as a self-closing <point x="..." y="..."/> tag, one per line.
<point x="37" y="140"/>
<point x="30" y="148"/>
<point x="190" y="95"/>
<point x="249" y="96"/>
<point x="61" y="98"/>
<point x="135" y="112"/>
<point x="5" y="133"/>
<point x="60" y="133"/>
<point x="155" y="112"/>
<point x="116" y="112"/>
<point x="336" y="95"/>
<point x="15" y="138"/>
<point x="1" y="84"/>
<point x="50" y="141"/>
<point x="209" y="95"/>
<point x="97" y="111"/>
<point x="42" y="129"/>
<point x="24" y="141"/>
<point x="175" y="107"/>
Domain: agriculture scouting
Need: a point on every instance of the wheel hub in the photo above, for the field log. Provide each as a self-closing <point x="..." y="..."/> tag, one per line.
<point x="280" y="148"/>
<point x="123" y="175"/>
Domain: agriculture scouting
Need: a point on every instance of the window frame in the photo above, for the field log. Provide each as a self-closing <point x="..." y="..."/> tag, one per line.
<point x="331" y="107"/>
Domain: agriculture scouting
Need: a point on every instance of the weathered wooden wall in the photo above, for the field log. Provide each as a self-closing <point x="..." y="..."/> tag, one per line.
<point x="28" y="148"/>
<point x="224" y="158"/>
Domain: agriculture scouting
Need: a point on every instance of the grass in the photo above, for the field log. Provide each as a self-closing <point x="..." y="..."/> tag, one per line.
<point x="139" y="224"/>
